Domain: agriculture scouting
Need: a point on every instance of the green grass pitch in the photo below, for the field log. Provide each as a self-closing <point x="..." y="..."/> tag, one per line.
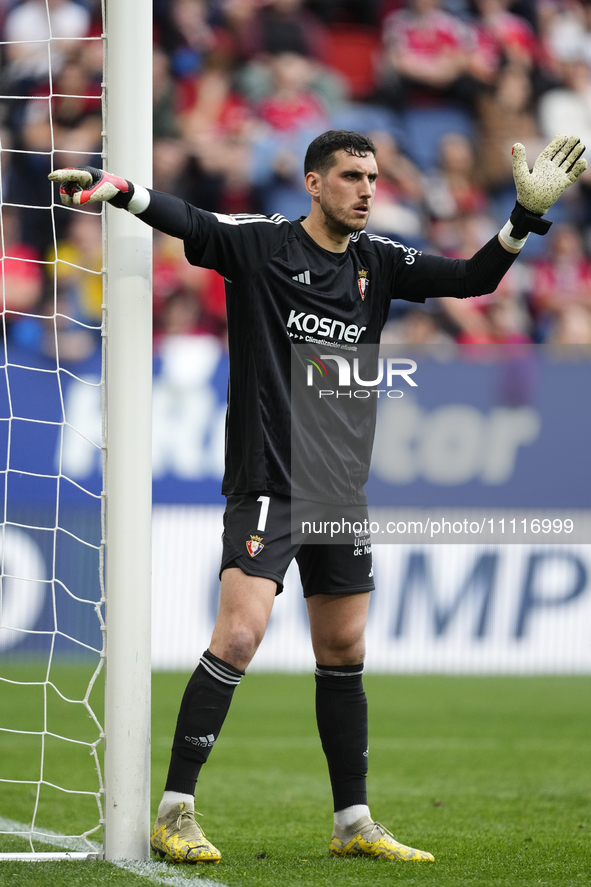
<point x="491" y="774"/>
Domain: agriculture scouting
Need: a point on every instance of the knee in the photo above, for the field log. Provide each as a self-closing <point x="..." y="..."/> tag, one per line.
<point x="236" y="647"/>
<point x="346" y="648"/>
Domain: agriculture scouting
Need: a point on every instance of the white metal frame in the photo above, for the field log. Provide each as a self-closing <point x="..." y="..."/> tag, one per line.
<point x="128" y="421"/>
<point x="128" y="459"/>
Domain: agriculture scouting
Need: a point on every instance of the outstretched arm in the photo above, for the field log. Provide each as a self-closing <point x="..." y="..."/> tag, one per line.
<point x="558" y="166"/>
<point x="81" y="185"/>
<point x="231" y="245"/>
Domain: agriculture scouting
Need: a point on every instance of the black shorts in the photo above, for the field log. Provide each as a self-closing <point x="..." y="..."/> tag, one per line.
<point x="257" y="539"/>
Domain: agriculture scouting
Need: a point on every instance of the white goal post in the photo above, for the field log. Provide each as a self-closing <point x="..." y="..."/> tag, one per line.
<point x="128" y="144"/>
<point x="123" y="576"/>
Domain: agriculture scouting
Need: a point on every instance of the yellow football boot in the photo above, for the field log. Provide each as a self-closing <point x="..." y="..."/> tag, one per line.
<point x="368" y="838"/>
<point x="178" y="836"/>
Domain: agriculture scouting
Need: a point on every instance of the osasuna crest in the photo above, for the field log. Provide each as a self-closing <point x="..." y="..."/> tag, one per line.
<point x="363" y="283"/>
<point x="254" y="545"/>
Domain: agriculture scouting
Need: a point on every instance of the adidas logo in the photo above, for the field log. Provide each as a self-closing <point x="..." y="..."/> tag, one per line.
<point x="201" y="741"/>
<point x="303" y="277"/>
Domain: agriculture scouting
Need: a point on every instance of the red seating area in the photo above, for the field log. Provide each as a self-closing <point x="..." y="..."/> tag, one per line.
<point x="352" y="50"/>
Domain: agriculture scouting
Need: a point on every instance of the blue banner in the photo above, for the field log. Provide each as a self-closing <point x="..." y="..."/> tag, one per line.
<point x="484" y="430"/>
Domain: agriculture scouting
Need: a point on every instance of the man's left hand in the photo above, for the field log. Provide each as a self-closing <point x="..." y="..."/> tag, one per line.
<point x="558" y="166"/>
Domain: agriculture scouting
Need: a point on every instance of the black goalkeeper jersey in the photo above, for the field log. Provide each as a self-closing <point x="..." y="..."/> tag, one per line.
<point x="282" y="288"/>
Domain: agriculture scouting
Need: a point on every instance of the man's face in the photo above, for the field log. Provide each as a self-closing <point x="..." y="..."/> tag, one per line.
<point x="347" y="191"/>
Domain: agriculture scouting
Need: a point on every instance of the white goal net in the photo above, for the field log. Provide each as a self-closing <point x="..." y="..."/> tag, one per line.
<point x="52" y="530"/>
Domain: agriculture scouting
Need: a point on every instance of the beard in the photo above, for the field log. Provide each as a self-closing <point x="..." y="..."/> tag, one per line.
<point x="337" y="221"/>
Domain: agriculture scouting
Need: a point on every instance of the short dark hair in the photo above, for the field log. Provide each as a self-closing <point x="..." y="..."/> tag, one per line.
<point x="320" y="154"/>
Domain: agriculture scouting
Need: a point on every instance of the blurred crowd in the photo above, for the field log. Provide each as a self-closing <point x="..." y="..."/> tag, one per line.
<point x="443" y="87"/>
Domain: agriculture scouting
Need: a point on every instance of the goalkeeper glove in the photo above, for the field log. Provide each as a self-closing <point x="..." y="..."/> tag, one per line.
<point x="86" y="184"/>
<point x="557" y="167"/>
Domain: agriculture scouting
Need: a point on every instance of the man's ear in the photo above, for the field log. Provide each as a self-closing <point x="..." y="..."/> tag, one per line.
<point x="312" y="183"/>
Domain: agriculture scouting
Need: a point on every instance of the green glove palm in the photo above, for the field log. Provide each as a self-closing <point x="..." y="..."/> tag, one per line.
<point x="558" y="166"/>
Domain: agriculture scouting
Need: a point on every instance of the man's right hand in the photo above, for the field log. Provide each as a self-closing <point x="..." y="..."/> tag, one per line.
<point x="87" y="184"/>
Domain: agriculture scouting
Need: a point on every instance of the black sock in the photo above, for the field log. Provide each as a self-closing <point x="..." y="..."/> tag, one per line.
<point x="341" y="714"/>
<point x="203" y="710"/>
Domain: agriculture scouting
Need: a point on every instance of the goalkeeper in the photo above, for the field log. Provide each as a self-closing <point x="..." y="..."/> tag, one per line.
<point x="284" y="280"/>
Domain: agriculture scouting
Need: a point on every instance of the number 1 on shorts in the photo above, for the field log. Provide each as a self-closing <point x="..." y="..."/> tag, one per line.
<point x="264" y="500"/>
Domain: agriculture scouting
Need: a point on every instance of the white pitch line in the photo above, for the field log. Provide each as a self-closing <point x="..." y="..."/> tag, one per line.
<point x="157" y="872"/>
<point x="47" y="836"/>
<point x="161" y="873"/>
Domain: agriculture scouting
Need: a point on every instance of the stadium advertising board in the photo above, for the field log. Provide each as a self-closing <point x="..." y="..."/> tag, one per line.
<point x="465" y="608"/>
<point x="523" y="607"/>
<point x="476" y="433"/>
